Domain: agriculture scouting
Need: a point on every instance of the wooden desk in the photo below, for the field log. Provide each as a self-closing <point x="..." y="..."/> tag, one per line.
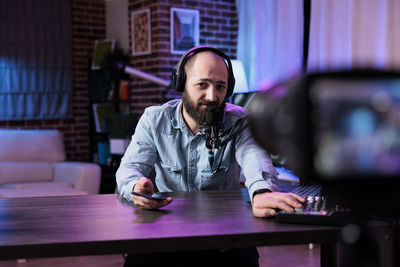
<point x="103" y="224"/>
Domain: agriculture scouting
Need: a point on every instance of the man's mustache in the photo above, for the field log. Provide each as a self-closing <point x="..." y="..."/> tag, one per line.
<point x="208" y="103"/>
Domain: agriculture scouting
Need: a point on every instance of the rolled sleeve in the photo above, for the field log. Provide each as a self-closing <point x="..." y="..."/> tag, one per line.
<point x="139" y="158"/>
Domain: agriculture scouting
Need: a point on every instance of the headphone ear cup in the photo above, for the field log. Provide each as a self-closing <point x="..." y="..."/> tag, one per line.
<point x="174" y="79"/>
<point x="179" y="78"/>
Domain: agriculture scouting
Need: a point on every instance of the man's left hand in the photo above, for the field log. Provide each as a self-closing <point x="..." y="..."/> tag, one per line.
<point x="266" y="204"/>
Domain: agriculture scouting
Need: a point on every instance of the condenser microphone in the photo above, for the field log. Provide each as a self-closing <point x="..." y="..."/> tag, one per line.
<point x="212" y="126"/>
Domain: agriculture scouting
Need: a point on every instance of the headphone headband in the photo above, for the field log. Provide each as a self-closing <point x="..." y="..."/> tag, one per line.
<point x="178" y="77"/>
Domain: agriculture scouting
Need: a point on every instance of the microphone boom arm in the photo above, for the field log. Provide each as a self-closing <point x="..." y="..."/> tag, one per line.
<point x="141" y="74"/>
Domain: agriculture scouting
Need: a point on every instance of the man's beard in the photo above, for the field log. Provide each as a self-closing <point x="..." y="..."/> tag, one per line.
<point x="194" y="109"/>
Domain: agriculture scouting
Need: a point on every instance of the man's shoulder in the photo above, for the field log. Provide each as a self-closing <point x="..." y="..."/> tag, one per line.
<point x="166" y="109"/>
<point x="161" y="117"/>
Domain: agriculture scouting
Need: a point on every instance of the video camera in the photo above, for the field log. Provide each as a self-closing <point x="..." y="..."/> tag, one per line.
<point x="340" y="129"/>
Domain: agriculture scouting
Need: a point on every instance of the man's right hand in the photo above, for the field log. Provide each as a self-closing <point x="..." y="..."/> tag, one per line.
<point x="266" y="204"/>
<point x="145" y="186"/>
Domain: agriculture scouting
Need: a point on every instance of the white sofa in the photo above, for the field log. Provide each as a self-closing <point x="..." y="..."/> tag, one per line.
<point x="32" y="163"/>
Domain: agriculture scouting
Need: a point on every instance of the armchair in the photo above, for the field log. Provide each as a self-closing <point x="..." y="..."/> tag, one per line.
<point x="32" y="163"/>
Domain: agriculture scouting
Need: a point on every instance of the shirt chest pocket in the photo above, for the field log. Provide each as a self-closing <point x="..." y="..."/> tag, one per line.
<point x="172" y="171"/>
<point x="211" y="181"/>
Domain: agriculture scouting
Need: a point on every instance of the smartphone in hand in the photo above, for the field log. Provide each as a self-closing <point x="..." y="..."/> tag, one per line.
<point x="155" y="196"/>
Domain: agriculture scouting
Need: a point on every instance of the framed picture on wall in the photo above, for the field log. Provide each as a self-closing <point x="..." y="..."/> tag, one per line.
<point x="184" y="29"/>
<point x="141" y="35"/>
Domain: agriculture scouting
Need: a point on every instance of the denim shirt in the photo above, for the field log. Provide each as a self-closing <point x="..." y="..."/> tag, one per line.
<point x="163" y="141"/>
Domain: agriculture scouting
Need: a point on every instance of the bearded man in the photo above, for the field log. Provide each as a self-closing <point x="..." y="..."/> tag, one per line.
<point x="169" y="140"/>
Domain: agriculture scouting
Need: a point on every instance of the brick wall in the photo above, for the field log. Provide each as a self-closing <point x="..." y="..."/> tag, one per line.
<point x="88" y="24"/>
<point x="218" y="28"/>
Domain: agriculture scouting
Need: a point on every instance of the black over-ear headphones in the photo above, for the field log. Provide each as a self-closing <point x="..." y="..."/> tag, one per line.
<point x="178" y="77"/>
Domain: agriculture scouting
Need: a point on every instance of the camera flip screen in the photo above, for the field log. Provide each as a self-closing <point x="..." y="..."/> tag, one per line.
<point x="356" y="127"/>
